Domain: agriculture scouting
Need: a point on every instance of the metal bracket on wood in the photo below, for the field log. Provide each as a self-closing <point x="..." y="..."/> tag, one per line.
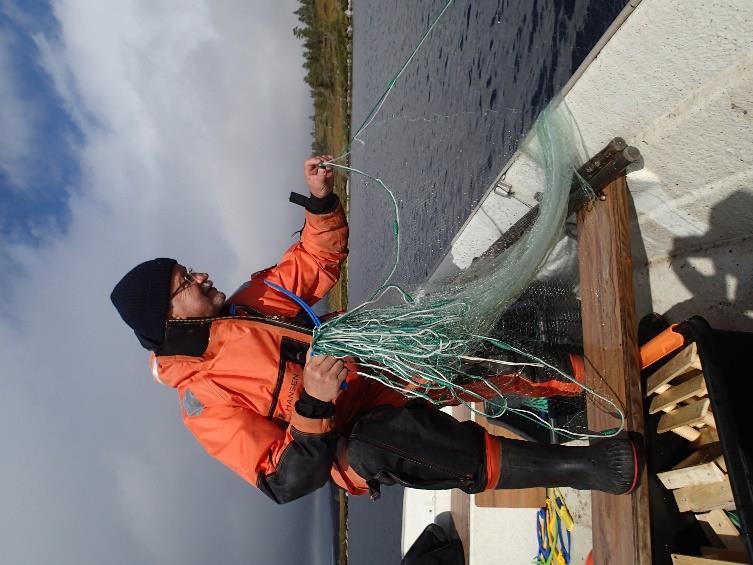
<point x="596" y="173"/>
<point x="599" y="171"/>
<point x="502" y="188"/>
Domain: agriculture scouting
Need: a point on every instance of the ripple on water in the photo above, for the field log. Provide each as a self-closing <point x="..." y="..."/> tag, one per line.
<point x="455" y="116"/>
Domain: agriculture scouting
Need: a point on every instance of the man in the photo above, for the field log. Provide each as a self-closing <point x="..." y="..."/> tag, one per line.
<point x="280" y="418"/>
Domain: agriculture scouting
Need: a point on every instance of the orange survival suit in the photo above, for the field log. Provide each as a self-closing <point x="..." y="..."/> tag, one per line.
<point x="239" y="379"/>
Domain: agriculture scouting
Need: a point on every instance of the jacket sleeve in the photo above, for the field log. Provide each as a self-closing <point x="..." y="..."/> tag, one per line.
<point x="309" y="268"/>
<point x="283" y="464"/>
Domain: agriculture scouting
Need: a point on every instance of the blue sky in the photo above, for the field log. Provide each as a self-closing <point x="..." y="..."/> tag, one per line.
<point x="35" y="191"/>
<point x="131" y="130"/>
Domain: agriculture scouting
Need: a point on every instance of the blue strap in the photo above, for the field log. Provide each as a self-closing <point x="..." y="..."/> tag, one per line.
<point x="306" y="308"/>
<point x="298" y="300"/>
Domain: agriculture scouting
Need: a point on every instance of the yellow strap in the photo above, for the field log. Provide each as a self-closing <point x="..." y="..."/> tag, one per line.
<point x="562" y="511"/>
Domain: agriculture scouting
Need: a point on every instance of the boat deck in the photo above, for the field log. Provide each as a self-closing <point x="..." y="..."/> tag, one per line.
<point x="675" y="79"/>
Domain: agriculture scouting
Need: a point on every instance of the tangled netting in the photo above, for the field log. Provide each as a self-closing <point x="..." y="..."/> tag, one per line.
<point x="457" y="342"/>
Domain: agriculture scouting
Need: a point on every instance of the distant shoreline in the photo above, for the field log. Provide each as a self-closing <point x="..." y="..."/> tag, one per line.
<point x="326" y="31"/>
<point x="327" y="36"/>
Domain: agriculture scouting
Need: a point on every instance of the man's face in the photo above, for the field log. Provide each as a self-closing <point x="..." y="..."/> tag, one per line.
<point x="193" y="295"/>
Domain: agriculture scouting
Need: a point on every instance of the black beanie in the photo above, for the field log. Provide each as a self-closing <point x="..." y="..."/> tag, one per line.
<point x="142" y="298"/>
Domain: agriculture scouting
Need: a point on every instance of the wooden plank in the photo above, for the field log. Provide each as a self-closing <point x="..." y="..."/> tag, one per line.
<point x="687" y="432"/>
<point x="621" y="532"/>
<point x="721" y="462"/>
<point x="508" y="498"/>
<point x="708" y="435"/>
<point x="678" y="559"/>
<point x="705" y="474"/>
<point x="678" y="380"/>
<point x="725" y="555"/>
<point x="676" y="394"/>
<point x="685" y="416"/>
<point x="703" y="455"/>
<point x="723" y="527"/>
<point x="460" y="502"/>
<point x="705" y="497"/>
<point x="683" y="362"/>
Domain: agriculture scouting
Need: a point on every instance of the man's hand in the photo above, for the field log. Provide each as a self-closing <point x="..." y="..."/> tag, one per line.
<point x="322" y="376"/>
<point x="320" y="181"/>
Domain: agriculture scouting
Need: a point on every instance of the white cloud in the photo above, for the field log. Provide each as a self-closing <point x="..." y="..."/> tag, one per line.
<point x="194" y="122"/>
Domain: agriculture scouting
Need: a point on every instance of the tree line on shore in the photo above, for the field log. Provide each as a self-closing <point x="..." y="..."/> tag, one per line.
<point x="325" y="32"/>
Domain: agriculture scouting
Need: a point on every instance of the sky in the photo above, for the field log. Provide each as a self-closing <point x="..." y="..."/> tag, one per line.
<point x="129" y="130"/>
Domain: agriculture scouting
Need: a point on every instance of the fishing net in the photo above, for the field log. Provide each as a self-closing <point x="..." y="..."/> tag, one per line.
<point x="498" y="337"/>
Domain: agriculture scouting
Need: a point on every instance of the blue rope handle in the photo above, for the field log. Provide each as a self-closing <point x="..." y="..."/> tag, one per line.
<point x="306" y="308"/>
<point x="298" y="300"/>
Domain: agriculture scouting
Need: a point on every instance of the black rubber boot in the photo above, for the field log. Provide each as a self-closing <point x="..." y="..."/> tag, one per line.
<point x="609" y="465"/>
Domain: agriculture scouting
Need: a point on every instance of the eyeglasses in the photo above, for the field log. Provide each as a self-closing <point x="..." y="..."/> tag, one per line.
<point x="188" y="279"/>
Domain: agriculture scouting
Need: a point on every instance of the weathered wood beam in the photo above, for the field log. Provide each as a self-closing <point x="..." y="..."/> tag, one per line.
<point x="621" y="533"/>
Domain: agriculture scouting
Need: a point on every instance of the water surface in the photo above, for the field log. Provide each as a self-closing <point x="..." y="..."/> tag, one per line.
<point x="447" y="130"/>
<point x="455" y="117"/>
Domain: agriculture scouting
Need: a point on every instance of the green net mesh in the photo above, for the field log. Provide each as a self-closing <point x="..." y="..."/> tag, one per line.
<point x="483" y="339"/>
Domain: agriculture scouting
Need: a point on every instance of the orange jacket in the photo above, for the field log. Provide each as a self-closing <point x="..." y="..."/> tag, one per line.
<point x="239" y="376"/>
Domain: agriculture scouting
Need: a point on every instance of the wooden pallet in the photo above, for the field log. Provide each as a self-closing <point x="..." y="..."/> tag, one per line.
<point x="699" y="483"/>
<point x="680" y="392"/>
